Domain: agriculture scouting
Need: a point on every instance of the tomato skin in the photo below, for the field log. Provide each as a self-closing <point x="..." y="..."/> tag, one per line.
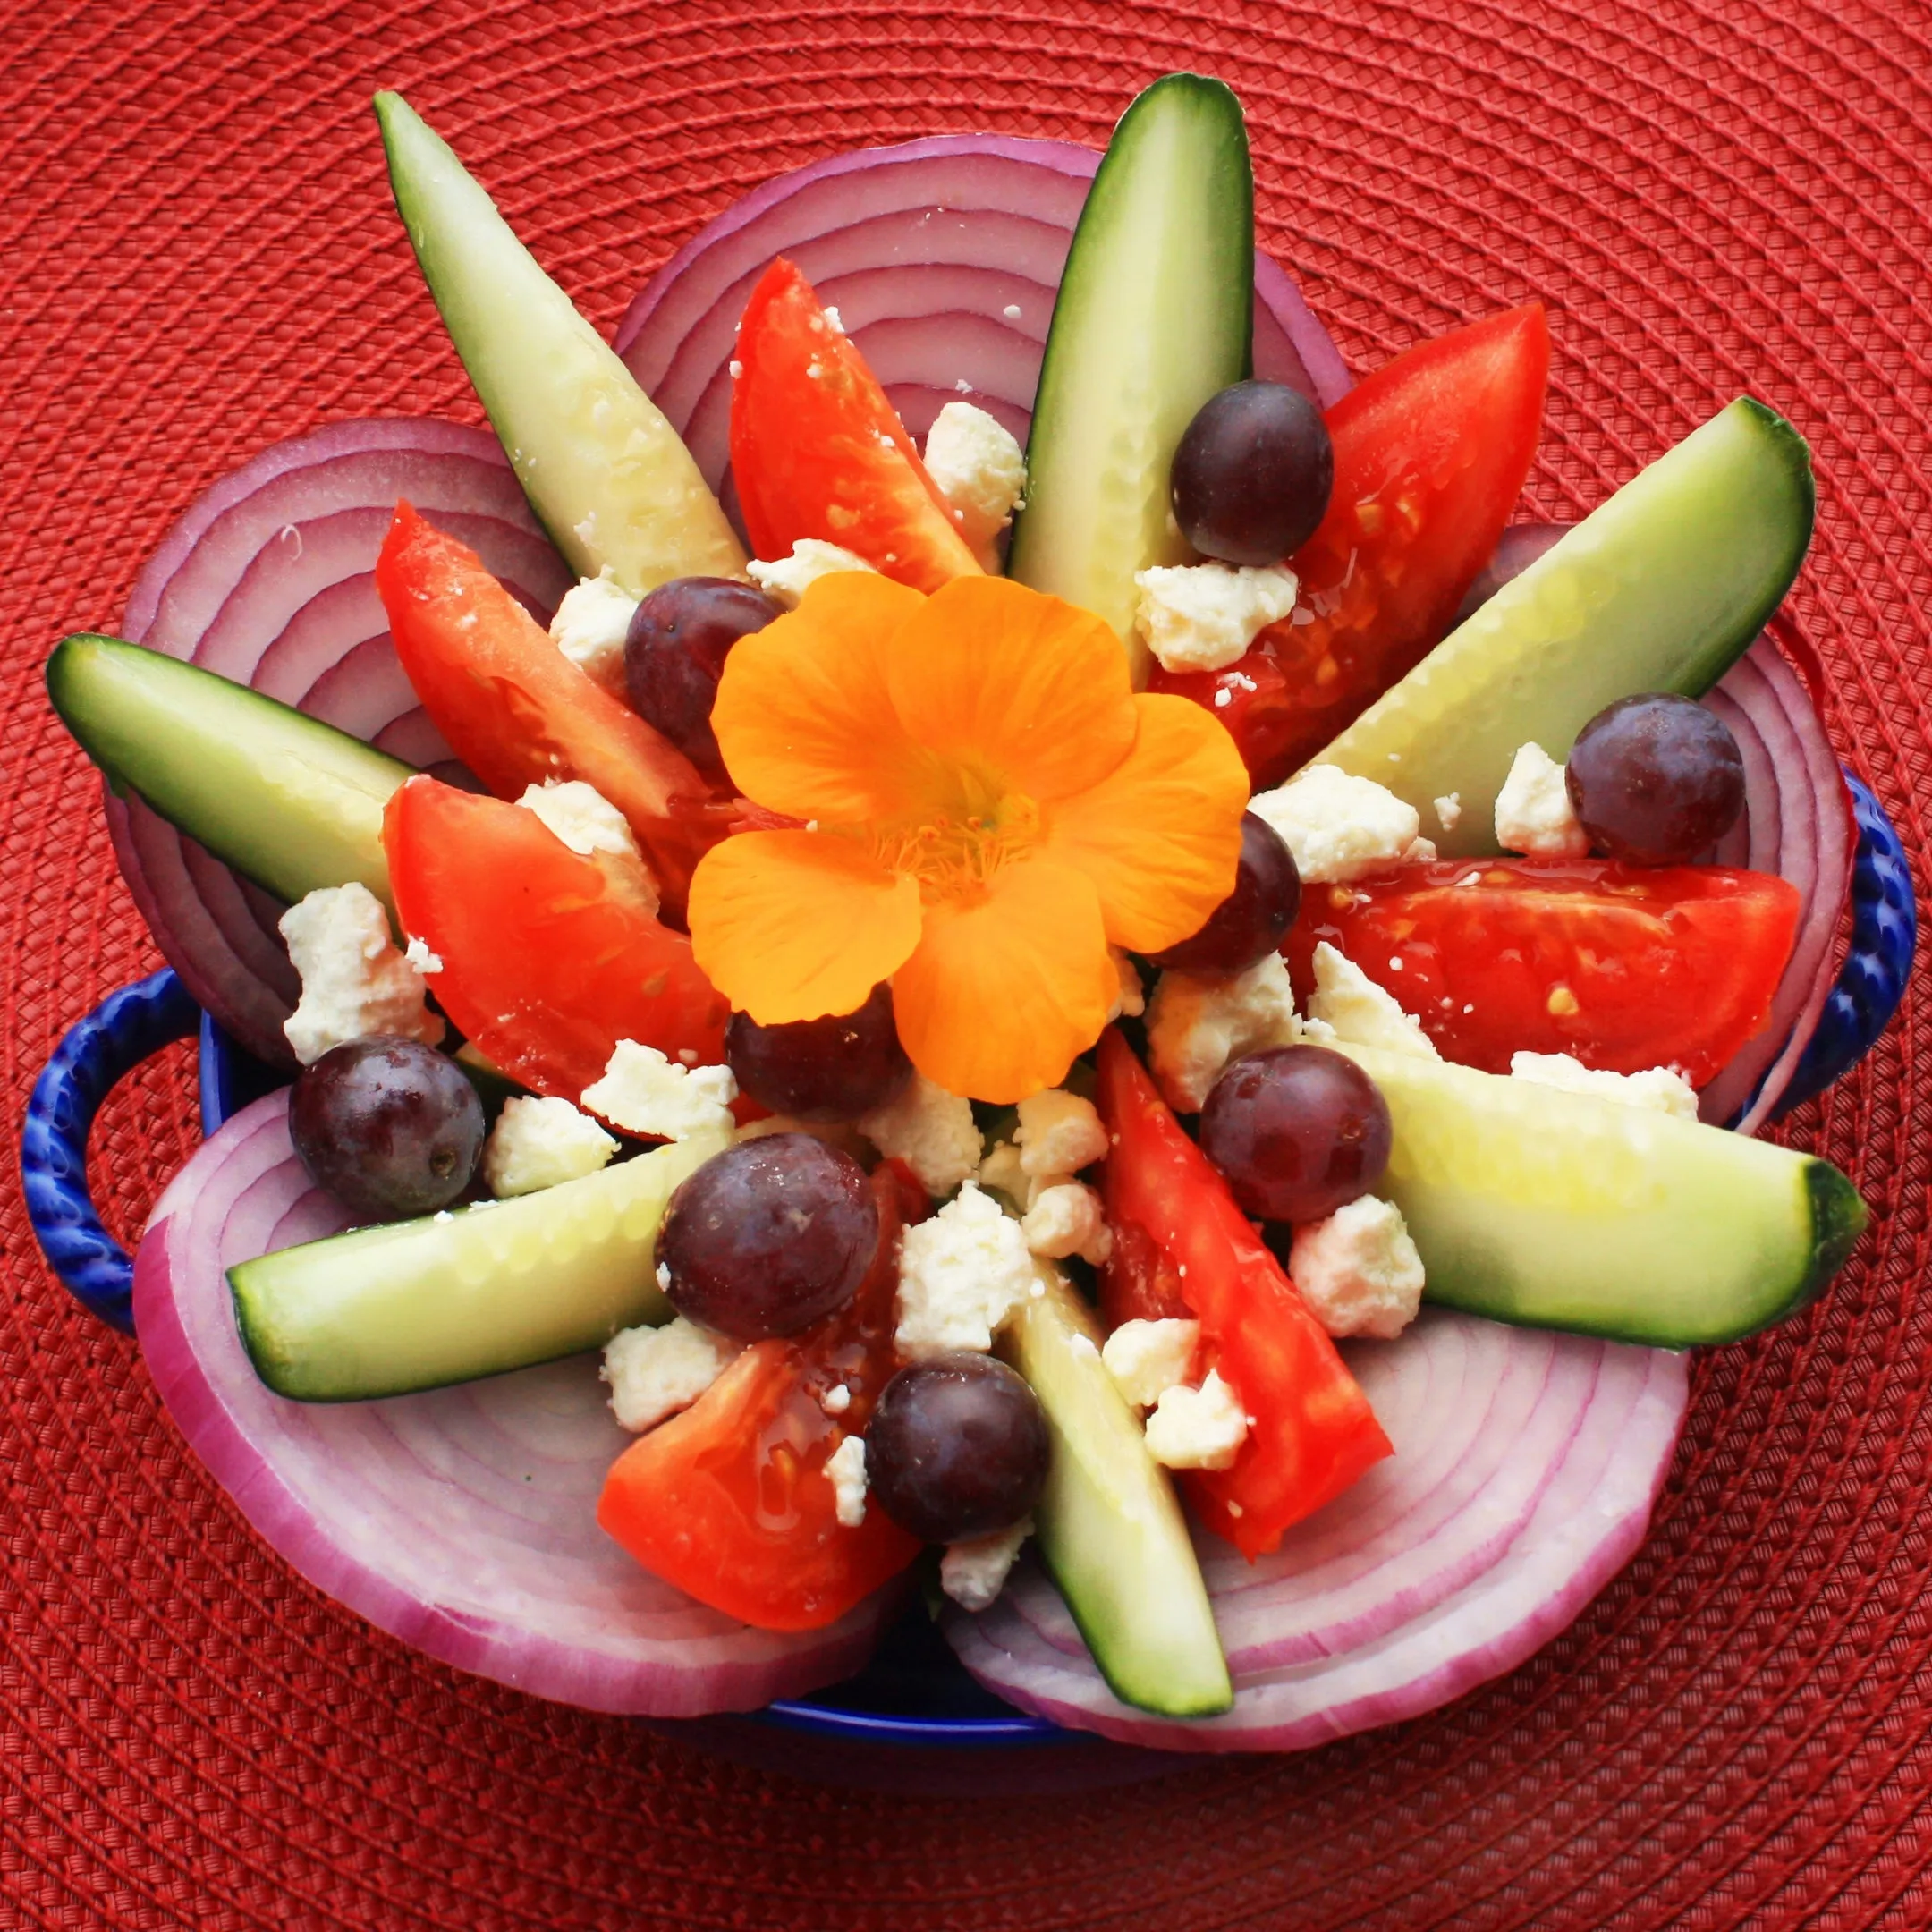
<point x="1431" y="454"/>
<point x="730" y="1501"/>
<point x="550" y="959"/>
<point x="1624" y="967"/>
<point x="516" y="711"/>
<point x="825" y="455"/>
<point x="1313" y="1432"/>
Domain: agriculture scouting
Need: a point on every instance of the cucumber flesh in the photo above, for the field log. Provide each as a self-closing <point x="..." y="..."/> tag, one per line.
<point x="606" y="475"/>
<point x="1660" y="589"/>
<point x="1154" y="315"/>
<point x="1529" y="1204"/>
<point x="502" y="1285"/>
<point x="1108" y="1525"/>
<point x="287" y="801"/>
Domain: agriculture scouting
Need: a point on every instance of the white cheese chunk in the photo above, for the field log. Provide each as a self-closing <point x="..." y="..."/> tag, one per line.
<point x="355" y="984"/>
<point x="655" y="1372"/>
<point x="1663" y="1090"/>
<point x="1199" y="1427"/>
<point x="590" y="626"/>
<point x="973" y="1574"/>
<point x="981" y="471"/>
<point x="1203" y="616"/>
<point x="1059" y="1133"/>
<point x="1131" y="1002"/>
<point x="540" y="1143"/>
<point x="1361" y="1013"/>
<point x="581" y="817"/>
<point x="1197" y="1022"/>
<point x="1340" y="826"/>
<point x="1068" y="1219"/>
<point x="931" y="1131"/>
<point x="1358" y="1270"/>
<point x="786" y="579"/>
<point x="1533" y="812"/>
<point x="1449" y="811"/>
<point x="846" y="1466"/>
<point x="961" y="1275"/>
<point x="1147" y="1359"/>
<point x="645" y="1094"/>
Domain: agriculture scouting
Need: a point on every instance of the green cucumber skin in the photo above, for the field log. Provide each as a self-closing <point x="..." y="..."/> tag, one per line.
<point x="606" y="474"/>
<point x="1109" y="1527"/>
<point x="1560" y="1211"/>
<point x="1147" y="326"/>
<point x="288" y="801"/>
<point x="415" y="1305"/>
<point x="1661" y="588"/>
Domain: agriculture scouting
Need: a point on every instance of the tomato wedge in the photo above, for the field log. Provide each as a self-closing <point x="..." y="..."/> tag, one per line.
<point x="1313" y="1432"/>
<point x="548" y="959"/>
<point x="517" y="711"/>
<point x="819" y="451"/>
<point x="1624" y="967"/>
<point x="730" y="1501"/>
<point x="1431" y="453"/>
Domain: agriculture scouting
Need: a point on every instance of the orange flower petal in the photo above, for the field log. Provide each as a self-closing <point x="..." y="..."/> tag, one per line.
<point x="1160" y="836"/>
<point x="1008" y="987"/>
<point x="803" y="717"/>
<point x="1029" y="692"/>
<point x="795" y="925"/>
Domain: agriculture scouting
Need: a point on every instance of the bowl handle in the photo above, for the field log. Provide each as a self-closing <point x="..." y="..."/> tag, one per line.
<point x="98" y="1051"/>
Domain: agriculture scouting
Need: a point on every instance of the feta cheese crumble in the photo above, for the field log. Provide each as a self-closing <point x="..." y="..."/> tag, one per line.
<point x="1067" y="1219"/>
<point x="590" y="626"/>
<point x="1358" y="1270"/>
<point x="931" y="1131"/>
<point x="655" y="1372"/>
<point x="1361" y="1011"/>
<point x="1203" y="616"/>
<point x="581" y="816"/>
<point x="1197" y="1023"/>
<point x="1146" y="1358"/>
<point x="846" y="1468"/>
<point x="1449" y="812"/>
<point x="1663" y="1090"/>
<point x="354" y="983"/>
<point x="656" y="1099"/>
<point x="420" y="958"/>
<point x="787" y="580"/>
<point x="973" y="1574"/>
<point x="1199" y="1427"/>
<point x="981" y="471"/>
<point x="961" y="1275"/>
<point x="1533" y="813"/>
<point x="1339" y="826"/>
<point x="1059" y="1133"/>
<point x="540" y="1143"/>
<point x="1133" y="1000"/>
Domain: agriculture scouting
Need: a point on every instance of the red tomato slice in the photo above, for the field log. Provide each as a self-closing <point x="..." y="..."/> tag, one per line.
<point x="550" y="959"/>
<point x="730" y="1501"/>
<point x="1624" y="967"/>
<point x="1313" y="1431"/>
<point x="517" y="711"/>
<point x="1431" y="453"/>
<point x="819" y="451"/>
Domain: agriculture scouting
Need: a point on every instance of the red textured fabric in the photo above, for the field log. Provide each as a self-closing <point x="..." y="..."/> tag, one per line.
<point x="197" y="254"/>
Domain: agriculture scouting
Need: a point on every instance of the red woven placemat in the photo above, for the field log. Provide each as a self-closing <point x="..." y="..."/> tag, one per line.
<point x="197" y="254"/>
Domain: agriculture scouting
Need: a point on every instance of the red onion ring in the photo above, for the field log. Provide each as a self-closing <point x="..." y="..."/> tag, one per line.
<point x="461" y="1521"/>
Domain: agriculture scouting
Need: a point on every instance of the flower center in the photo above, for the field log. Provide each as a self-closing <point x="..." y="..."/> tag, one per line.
<point x="953" y="855"/>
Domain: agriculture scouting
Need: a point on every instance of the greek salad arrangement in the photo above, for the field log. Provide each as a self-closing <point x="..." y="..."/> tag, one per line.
<point x="1120" y="1009"/>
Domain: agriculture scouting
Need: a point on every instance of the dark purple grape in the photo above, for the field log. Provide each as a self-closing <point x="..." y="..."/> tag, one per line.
<point x="823" y="1069"/>
<point x="768" y="1237"/>
<point x="1297" y="1131"/>
<point x="1656" y="779"/>
<point x="674" y="655"/>
<point x="957" y="1448"/>
<point x="1253" y="473"/>
<point x="388" y="1126"/>
<point x="1251" y="921"/>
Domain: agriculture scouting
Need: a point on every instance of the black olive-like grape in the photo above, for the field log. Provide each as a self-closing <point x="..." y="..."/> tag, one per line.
<point x="1656" y="779"/>
<point x="388" y="1126"/>
<point x="831" y="1068"/>
<point x="1252" y="920"/>
<point x="1252" y="474"/>
<point x="674" y="655"/>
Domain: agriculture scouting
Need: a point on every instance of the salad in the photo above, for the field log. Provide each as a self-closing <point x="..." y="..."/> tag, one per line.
<point x="1105" y="994"/>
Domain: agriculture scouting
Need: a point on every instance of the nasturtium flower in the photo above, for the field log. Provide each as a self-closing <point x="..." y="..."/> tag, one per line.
<point x="986" y="805"/>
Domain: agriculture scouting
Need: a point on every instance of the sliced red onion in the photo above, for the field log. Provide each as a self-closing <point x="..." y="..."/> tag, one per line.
<point x="268" y="579"/>
<point x="461" y="1521"/>
<point x="1525" y="1468"/>
<point x="942" y="258"/>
